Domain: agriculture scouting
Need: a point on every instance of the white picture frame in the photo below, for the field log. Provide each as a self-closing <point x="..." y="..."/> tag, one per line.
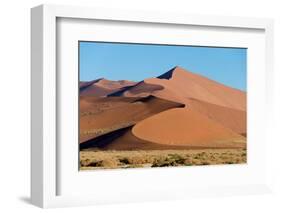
<point x="44" y="149"/>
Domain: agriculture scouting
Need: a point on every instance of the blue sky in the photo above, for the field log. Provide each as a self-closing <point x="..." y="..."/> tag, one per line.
<point x="116" y="61"/>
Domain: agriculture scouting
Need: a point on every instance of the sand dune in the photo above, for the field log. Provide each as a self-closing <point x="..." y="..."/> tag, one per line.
<point x="124" y="139"/>
<point x="93" y="104"/>
<point x="162" y="132"/>
<point x="179" y="85"/>
<point x="192" y="85"/>
<point x="120" y="115"/>
<point x="141" y="89"/>
<point x="231" y="118"/>
<point x="102" y="87"/>
<point x="186" y="127"/>
<point x="176" y="110"/>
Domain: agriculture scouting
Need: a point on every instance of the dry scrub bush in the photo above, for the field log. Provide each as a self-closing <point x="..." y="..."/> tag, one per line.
<point x="140" y="160"/>
<point x="109" y="163"/>
<point x="85" y="162"/>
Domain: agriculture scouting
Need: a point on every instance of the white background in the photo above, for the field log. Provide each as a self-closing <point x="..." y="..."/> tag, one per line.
<point x="149" y="185"/>
<point x="15" y="98"/>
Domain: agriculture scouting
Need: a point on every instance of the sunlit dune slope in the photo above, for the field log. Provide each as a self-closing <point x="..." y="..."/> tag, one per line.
<point x="184" y="127"/>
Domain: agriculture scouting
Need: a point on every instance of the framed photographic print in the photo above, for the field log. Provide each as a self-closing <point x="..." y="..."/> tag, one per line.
<point x="130" y="106"/>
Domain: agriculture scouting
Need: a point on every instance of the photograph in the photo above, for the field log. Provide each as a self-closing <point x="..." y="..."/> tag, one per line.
<point x="161" y="105"/>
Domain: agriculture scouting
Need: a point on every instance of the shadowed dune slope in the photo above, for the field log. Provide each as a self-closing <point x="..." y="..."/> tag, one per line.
<point x="102" y="87"/>
<point x="124" y="115"/>
<point x="186" y="127"/>
<point x="84" y="84"/>
<point x="123" y="139"/>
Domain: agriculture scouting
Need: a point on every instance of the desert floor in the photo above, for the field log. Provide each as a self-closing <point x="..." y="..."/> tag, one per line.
<point x="93" y="160"/>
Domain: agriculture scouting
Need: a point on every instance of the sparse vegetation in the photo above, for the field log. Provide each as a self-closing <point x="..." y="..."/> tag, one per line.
<point x="159" y="158"/>
<point x="109" y="163"/>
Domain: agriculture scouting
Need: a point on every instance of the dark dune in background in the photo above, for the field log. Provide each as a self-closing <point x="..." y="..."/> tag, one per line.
<point x="177" y="110"/>
<point x="102" y="87"/>
<point x="141" y="89"/>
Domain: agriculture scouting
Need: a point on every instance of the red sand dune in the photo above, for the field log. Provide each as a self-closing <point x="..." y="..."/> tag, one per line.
<point x="102" y="87"/>
<point x="146" y="115"/>
<point x="231" y="118"/>
<point x="98" y="104"/>
<point x="123" y="139"/>
<point x="141" y="89"/>
<point x="179" y="85"/>
<point x="124" y="115"/>
<point x="186" y="127"/>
